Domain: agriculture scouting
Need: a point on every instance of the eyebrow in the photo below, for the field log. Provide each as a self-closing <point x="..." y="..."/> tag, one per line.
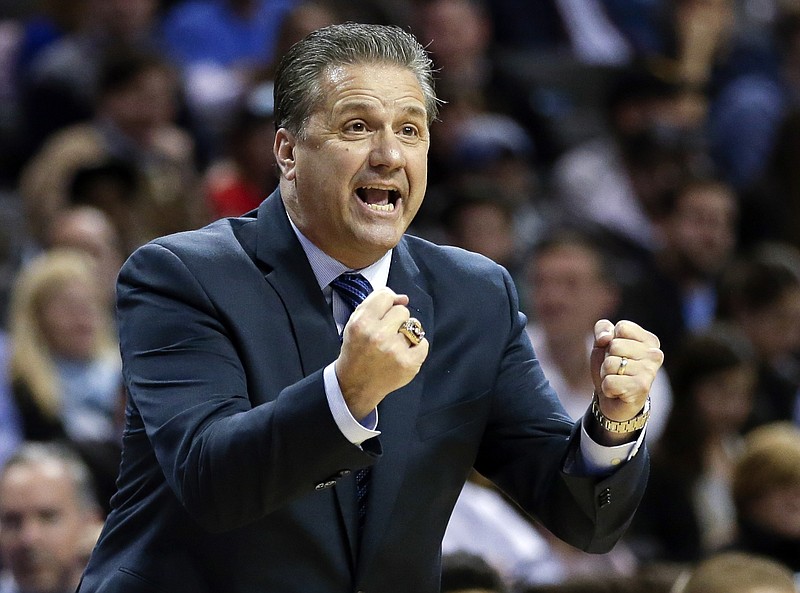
<point x="357" y="105"/>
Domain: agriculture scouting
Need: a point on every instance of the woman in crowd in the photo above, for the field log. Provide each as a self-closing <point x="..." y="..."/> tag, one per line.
<point x="687" y="511"/>
<point x="64" y="366"/>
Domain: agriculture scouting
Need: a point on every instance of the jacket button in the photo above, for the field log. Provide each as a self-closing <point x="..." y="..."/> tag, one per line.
<point x="604" y="498"/>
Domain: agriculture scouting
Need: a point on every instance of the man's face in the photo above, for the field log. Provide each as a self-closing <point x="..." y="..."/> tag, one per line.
<point x="355" y="179"/>
<point x="703" y="228"/>
<point x="568" y="291"/>
<point x="41" y="526"/>
<point x="146" y="104"/>
<point x="778" y="511"/>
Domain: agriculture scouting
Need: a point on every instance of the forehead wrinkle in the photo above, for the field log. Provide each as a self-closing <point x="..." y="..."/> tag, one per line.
<point x="337" y="79"/>
<point x="358" y="105"/>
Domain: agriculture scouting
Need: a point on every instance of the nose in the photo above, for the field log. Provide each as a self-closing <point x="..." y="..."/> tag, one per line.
<point x="387" y="150"/>
<point x="30" y="532"/>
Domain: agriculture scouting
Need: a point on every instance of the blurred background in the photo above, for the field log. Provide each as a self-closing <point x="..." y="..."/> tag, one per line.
<point x="634" y="159"/>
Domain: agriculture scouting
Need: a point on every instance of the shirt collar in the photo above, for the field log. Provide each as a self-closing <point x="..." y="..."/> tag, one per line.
<point x="326" y="269"/>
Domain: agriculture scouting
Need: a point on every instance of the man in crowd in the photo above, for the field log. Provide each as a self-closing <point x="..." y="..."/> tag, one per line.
<point x="49" y="519"/>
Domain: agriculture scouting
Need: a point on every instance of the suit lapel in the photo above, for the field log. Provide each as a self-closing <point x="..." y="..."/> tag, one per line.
<point x="287" y="270"/>
<point x="397" y="413"/>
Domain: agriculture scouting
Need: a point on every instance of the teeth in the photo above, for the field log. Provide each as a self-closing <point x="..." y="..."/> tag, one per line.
<point x="381" y="207"/>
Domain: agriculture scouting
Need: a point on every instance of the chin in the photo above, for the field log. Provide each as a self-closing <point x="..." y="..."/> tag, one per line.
<point x="381" y="239"/>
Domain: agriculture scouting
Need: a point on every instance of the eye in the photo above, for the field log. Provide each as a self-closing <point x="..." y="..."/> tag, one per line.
<point x="49" y="516"/>
<point x="356" y="126"/>
<point x="11" y="521"/>
<point x="409" y="130"/>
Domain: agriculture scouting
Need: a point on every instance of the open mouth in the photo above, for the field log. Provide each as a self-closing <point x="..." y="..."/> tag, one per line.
<point x="379" y="199"/>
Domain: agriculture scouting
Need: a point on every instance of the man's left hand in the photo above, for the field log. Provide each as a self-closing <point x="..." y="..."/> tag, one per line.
<point x="624" y="360"/>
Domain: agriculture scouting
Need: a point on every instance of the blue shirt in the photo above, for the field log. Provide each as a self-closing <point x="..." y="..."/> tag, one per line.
<point x="207" y="31"/>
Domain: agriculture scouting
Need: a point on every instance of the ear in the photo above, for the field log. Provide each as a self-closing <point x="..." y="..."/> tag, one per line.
<point x="283" y="149"/>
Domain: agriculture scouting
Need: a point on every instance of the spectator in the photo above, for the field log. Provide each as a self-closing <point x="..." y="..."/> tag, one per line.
<point x="470" y="80"/>
<point x="46" y="24"/>
<point x="386" y="12"/>
<point x="459" y="33"/>
<point x="111" y="186"/>
<point x="569" y="286"/>
<point x="64" y="365"/>
<point x="237" y="182"/>
<point x="760" y="293"/>
<point x="766" y="492"/>
<point x="614" y="182"/>
<point x="243" y="171"/>
<point x="134" y="124"/>
<point x="59" y="83"/>
<point x="226" y="33"/>
<point x="606" y="584"/>
<point x="739" y="573"/>
<point x="677" y="289"/>
<point x="90" y="230"/>
<point x="688" y="510"/>
<point x="730" y="75"/>
<point x="219" y="46"/>
<point x="22" y="37"/>
<point x="581" y="30"/>
<point x="486" y="156"/>
<point x="49" y="520"/>
<point x="480" y="220"/>
<point x="772" y="203"/>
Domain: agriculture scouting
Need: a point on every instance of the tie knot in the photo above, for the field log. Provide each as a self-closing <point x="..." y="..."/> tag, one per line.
<point x="352" y="288"/>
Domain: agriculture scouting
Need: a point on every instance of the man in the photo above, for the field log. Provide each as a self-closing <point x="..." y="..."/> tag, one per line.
<point x="130" y="159"/>
<point x="49" y="519"/>
<point x="569" y="288"/>
<point x="249" y="415"/>
<point x="89" y="229"/>
<point x="676" y="291"/>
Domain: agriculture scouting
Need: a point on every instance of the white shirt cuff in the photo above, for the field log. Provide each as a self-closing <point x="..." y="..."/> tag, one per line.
<point x="354" y="431"/>
<point x="598" y="459"/>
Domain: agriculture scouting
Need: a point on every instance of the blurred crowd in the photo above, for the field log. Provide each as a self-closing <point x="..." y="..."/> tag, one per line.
<point x="634" y="159"/>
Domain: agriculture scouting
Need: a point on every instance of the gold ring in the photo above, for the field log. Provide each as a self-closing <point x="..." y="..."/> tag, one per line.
<point x="412" y="330"/>
<point x="623" y="363"/>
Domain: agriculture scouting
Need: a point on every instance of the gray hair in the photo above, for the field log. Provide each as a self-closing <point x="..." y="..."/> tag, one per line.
<point x="35" y="452"/>
<point x="299" y="73"/>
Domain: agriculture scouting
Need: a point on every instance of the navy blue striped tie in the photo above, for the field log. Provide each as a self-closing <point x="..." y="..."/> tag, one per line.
<point x="352" y="289"/>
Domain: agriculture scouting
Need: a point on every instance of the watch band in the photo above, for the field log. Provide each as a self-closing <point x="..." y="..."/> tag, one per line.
<point x="627" y="426"/>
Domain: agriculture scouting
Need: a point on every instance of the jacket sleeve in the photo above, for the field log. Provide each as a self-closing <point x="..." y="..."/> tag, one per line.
<point x="228" y="462"/>
<point x="529" y="449"/>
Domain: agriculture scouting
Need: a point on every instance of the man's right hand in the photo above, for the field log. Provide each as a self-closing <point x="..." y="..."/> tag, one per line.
<point x="376" y="359"/>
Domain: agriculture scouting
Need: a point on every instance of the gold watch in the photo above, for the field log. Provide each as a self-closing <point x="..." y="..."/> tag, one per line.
<point x="628" y="426"/>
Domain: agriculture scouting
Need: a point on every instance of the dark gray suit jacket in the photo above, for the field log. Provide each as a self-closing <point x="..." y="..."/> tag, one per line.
<point x="235" y="477"/>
